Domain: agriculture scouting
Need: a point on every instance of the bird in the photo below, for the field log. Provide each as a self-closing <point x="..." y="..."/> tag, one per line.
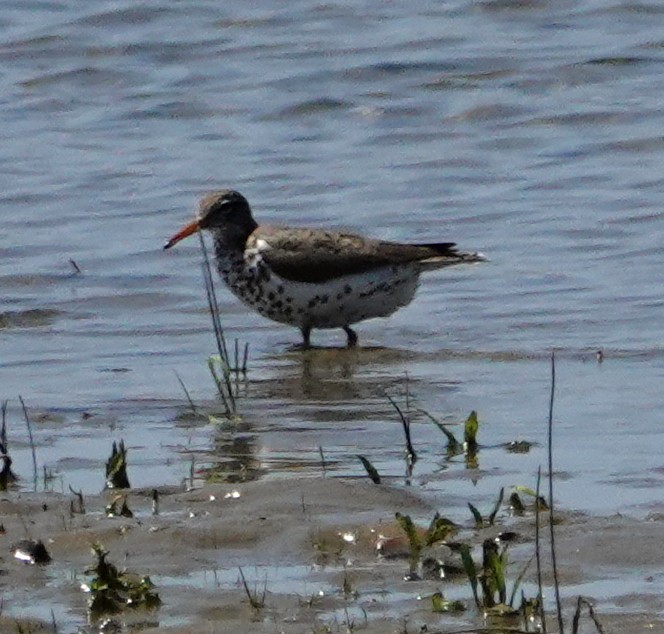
<point x="313" y="278"/>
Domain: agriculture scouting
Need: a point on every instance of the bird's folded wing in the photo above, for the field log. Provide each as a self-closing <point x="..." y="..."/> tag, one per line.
<point x="310" y="255"/>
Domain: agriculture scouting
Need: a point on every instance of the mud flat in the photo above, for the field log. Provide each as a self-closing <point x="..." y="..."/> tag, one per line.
<point x="307" y="549"/>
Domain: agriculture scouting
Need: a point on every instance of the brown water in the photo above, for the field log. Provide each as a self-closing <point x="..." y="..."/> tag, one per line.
<point x="528" y="130"/>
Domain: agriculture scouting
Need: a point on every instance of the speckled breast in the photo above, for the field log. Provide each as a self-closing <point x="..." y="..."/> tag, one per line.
<point x="332" y="304"/>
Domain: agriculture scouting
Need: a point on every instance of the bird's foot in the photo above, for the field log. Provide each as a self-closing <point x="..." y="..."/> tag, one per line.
<point x="306" y="337"/>
<point x="352" y="336"/>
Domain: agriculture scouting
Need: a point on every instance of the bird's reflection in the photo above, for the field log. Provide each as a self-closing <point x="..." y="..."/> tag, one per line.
<point x="339" y="374"/>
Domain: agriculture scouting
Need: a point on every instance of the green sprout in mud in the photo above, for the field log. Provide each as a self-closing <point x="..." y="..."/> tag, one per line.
<point x="480" y="522"/>
<point x="439" y="530"/>
<point x="469" y="446"/>
<point x="489" y="583"/>
<point x="116" y="468"/>
<point x="112" y="591"/>
<point x="440" y="604"/>
<point x="519" y="507"/>
<point x="415" y="541"/>
<point x="470" y="432"/>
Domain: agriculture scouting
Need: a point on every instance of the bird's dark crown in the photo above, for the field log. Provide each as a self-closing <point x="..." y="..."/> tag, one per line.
<point x="225" y="207"/>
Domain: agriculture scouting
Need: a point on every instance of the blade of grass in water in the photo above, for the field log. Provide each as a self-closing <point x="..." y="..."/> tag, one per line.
<point x="371" y="470"/>
<point x="452" y="442"/>
<point x="224" y="384"/>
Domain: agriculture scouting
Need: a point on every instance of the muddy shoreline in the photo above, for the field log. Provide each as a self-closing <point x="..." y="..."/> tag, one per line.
<point x="309" y="544"/>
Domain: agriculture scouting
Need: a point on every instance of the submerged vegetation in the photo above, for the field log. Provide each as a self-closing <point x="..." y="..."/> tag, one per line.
<point x="112" y="591"/>
<point x="116" y="467"/>
<point x="469" y="446"/>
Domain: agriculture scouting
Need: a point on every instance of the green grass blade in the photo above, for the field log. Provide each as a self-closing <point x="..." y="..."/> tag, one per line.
<point x="519" y="580"/>
<point x="516" y="503"/>
<point x="370" y="469"/>
<point x="540" y="501"/>
<point x="471" y="571"/>
<point x="408" y="527"/>
<point x="496" y="508"/>
<point x="479" y="522"/>
<point x="452" y="443"/>
<point x="439" y="529"/>
<point x="470" y="431"/>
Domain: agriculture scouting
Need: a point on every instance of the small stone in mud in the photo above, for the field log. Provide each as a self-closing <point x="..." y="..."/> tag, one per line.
<point x="518" y="446"/>
<point x="31" y="551"/>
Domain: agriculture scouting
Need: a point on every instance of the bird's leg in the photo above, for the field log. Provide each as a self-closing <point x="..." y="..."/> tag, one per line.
<point x="306" y="332"/>
<point x="352" y="336"/>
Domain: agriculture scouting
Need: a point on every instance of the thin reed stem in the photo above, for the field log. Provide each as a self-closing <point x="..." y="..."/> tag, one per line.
<point x="322" y="459"/>
<point x="3" y="429"/>
<point x="32" y="442"/>
<point x="212" y="295"/>
<point x="406" y="429"/>
<point x="225" y="384"/>
<point x="538" y="553"/>
<point x="245" y="358"/>
<point x="186" y="393"/>
<point x="580" y="602"/>
<point x="556" y="581"/>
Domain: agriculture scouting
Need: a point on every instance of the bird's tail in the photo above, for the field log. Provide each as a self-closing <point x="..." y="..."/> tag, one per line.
<point x="449" y="256"/>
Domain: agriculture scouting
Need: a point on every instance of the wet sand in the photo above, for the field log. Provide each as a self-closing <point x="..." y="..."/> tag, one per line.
<point x="310" y="543"/>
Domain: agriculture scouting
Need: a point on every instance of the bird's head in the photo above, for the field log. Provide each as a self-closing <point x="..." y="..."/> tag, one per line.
<point x="225" y="212"/>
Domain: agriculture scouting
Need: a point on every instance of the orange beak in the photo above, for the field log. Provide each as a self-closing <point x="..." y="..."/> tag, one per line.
<point x="185" y="232"/>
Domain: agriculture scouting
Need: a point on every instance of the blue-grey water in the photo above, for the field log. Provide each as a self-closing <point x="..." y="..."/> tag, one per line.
<point x="530" y="130"/>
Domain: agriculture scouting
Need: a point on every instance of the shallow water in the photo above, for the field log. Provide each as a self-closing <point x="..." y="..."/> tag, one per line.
<point x="528" y="130"/>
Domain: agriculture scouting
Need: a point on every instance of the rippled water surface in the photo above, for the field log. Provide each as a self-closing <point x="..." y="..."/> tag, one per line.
<point x="530" y="130"/>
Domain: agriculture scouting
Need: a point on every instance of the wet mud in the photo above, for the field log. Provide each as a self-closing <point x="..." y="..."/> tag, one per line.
<point x="307" y="548"/>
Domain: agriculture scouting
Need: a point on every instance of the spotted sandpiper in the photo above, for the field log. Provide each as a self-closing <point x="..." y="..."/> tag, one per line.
<point x="313" y="278"/>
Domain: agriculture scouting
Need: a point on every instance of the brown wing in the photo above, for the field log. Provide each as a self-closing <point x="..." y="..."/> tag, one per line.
<point x="310" y="255"/>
